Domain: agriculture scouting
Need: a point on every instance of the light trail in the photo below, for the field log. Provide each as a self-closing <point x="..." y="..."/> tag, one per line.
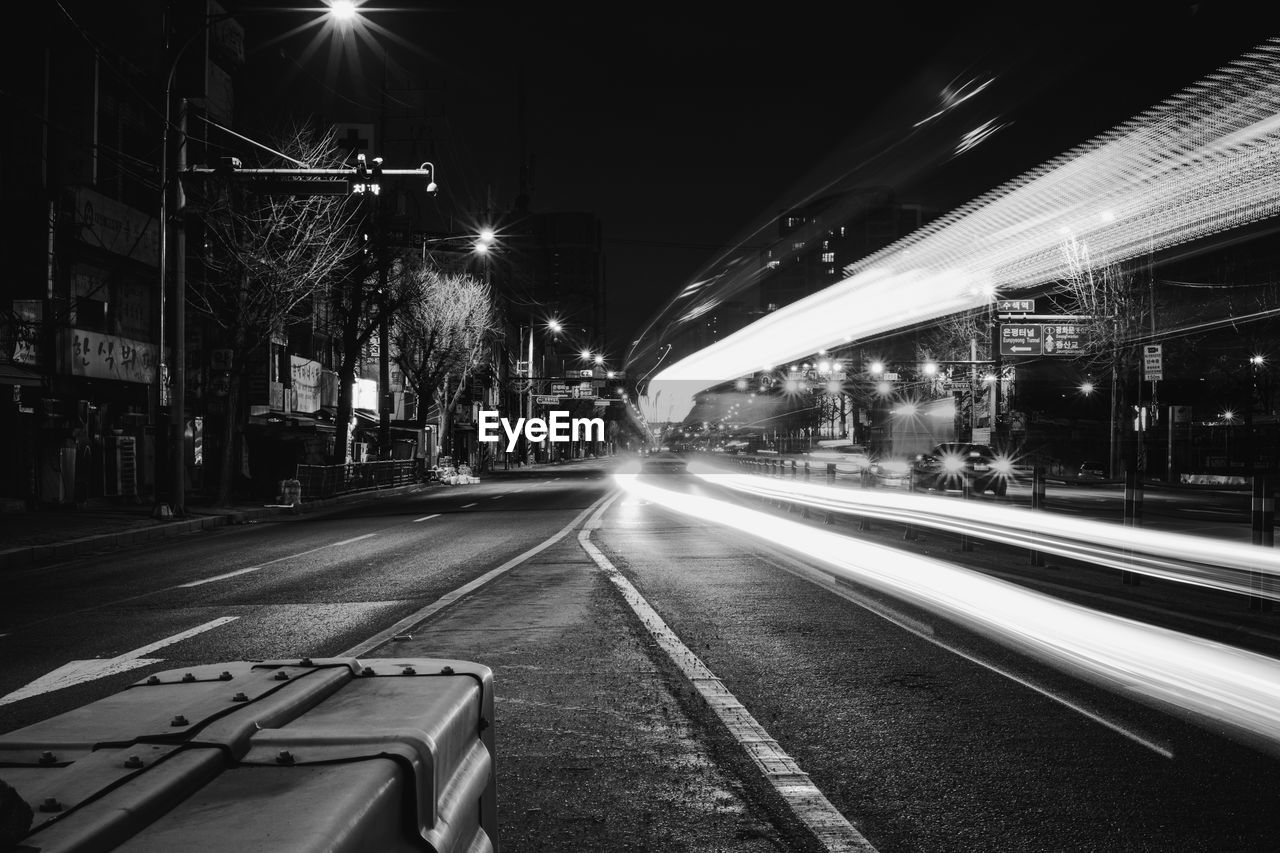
<point x="1227" y="566"/>
<point x="1229" y="690"/>
<point x="1204" y="161"/>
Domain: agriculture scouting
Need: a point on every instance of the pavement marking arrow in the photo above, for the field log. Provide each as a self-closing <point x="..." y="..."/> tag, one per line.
<point x="276" y="560"/>
<point x="78" y="671"/>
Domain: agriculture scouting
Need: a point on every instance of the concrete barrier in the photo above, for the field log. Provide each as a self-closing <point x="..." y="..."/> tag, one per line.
<point x="327" y="754"/>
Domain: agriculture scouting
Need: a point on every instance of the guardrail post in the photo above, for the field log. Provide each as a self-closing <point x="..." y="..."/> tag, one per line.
<point x="1037" y="502"/>
<point x="806" y="470"/>
<point x="1263" y="523"/>
<point x="831" y="478"/>
<point x="1132" y="514"/>
<point x="793" y="469"/>
<point x="910" y="532"/>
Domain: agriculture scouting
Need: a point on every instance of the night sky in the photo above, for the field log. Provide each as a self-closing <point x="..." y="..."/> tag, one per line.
<point x="687" y="127"/>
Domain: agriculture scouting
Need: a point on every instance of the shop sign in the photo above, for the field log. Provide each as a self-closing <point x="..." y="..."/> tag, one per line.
<point x="98" y="356"/>
<point x="305" y="376"/>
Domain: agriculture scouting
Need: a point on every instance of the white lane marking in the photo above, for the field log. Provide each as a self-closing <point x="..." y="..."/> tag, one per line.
<point x="925" y="632"/>
<point x="426" y="518"/>
<point x="495" y="497"/>
<point x="810" y="806"/>
<point x="450" y="598"/>
<point x="78" y="671"/>
<point x="276" y="560"/>
<point x="465" y="506"/>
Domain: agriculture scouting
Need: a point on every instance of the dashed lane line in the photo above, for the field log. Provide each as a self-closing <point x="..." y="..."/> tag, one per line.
<point x="276" y="560"/>
<point x="426" y="518"/>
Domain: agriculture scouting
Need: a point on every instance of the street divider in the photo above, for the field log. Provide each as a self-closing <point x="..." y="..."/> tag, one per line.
<point x="312" y="754"/>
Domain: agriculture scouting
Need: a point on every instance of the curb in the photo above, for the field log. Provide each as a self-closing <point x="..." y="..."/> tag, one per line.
<point x="31" y="556"/>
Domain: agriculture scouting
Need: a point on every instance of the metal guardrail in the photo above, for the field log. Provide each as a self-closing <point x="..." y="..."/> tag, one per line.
<point x="326" y="481"/>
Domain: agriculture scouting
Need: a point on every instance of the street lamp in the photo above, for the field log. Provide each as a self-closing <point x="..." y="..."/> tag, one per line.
<point x="340" y="11"/>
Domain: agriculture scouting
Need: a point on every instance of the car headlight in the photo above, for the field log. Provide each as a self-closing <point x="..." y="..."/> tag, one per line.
<point x="1002" y="465"/>
<point x="953" y="464"/>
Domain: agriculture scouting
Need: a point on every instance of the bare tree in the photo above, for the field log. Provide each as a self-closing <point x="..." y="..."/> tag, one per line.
<point x="266" y="257"/>
<point x="359" y="310"/>
<point x="439" y="338"/>
<point x="1115" y="315"/>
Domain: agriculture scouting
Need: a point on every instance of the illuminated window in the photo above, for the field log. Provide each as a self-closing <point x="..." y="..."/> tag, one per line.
<point x="828" y="257"/>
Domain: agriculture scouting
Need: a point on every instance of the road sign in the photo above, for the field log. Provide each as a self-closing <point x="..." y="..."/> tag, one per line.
<point x="1015" y="306"/>
<point x="587" y="392"/>
<point x="960" y="385"/>
<point x="562" y="390"/>
<point x="1063" y="339"/>
<point x="1153" y="362"/>
<point x="1057" y="339"/>
<point x="1021" y="339"/>
<point x="545" y="400"/>
<point x="889" y="377"/>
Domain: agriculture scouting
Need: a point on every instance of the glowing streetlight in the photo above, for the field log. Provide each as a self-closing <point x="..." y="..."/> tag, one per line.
<point x="877" y="367"/>
<point x="1086" y="388"/>
<point x="930" y="368"/>
<point x="554" y="326"/>
<point x="1258" y="360"/>
<point x="342" y="10"/>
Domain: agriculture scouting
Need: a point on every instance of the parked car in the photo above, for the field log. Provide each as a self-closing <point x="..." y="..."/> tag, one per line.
<point x="849" y="459"/>
<point x="950" y="464"/>
<point x="892" y="472"/>
<point x="1092" y="470"/>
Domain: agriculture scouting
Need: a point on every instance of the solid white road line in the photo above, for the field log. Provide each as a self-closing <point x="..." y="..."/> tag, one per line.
<point x="807" y="803"/>
<point x="78" y="671"/>
<point x="276" y="560"/>
<point x="403" y="626"/>
<point x="495" y="497"/>
<point x="426" y="518"/>
<point x="465" y="506"/>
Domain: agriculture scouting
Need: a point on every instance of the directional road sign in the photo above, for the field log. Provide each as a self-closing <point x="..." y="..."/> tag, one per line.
<point x="545" y="400"/>
<point x="1021" y="339"/>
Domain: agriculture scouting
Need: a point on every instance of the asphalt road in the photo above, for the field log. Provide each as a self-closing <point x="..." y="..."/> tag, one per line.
<point x="916" y="733"/>
<point x="301" y="585"/>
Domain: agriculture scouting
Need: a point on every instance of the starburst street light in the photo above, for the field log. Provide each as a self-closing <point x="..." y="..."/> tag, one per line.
<point x="342" y="10"/>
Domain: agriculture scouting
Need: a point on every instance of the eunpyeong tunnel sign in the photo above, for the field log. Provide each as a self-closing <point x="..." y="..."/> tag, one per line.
<point x="1056" y="339"/>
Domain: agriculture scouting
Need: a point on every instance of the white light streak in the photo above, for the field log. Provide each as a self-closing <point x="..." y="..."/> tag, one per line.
<point x="1204" y="161"/>
<point x="1228" y="689"/>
